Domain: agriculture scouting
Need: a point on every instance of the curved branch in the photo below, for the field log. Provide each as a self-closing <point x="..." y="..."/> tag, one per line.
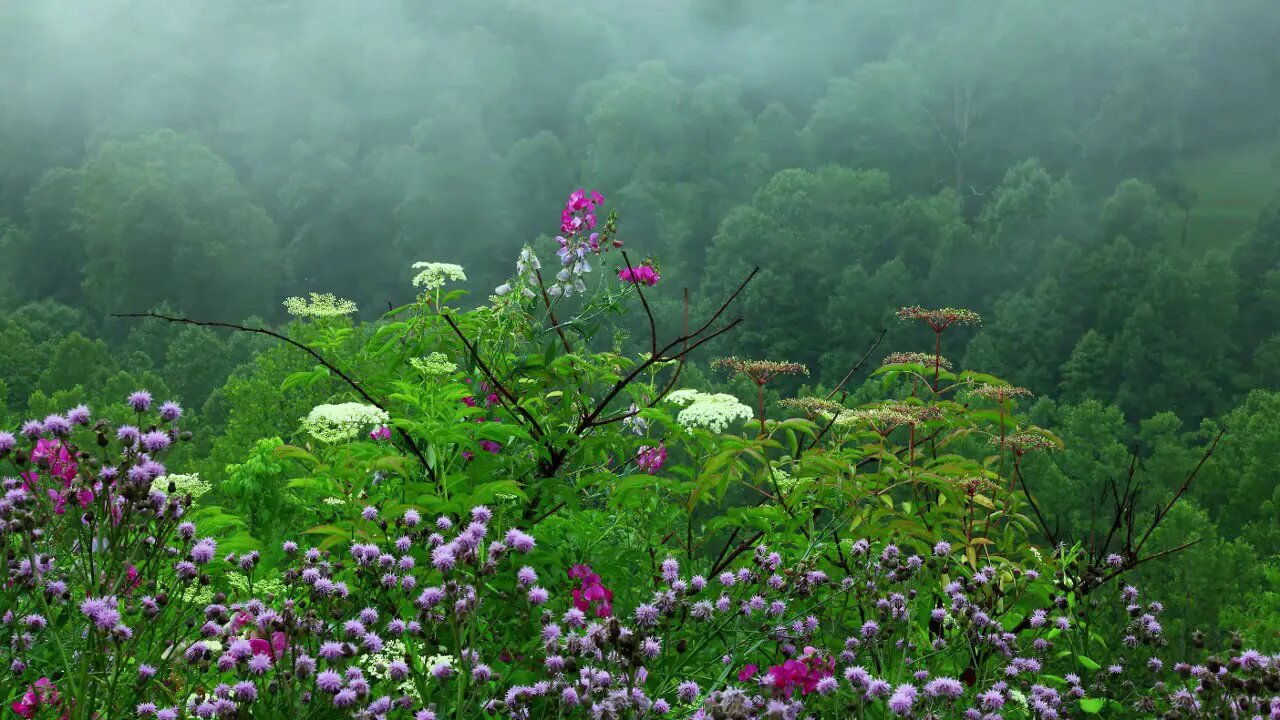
<point x="355" y="385"/>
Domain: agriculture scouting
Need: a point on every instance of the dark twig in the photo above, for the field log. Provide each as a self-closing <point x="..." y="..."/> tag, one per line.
<point x="1044" y="526"/>
<point x="858" y="365"/>
<point x="507" y="395"/>
<point x="1131" y="565"/>
<point x="1160" y="514"/>
<point x="1122" y="501"/>
<point x="549" y="513"/>
<point x="653" y="331"/>
<point x="744" y="546"/>
<point x="589" y="420"/>
<point x="551" y="314"/>
<point x="413" y="446"/>
<point x="847" y="376"/>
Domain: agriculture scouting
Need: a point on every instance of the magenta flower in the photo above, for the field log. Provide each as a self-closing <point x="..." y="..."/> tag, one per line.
<point x="61" y="464"/>
<point x="275" y="648"/>
<point x="592" y="592"/>
<point x="382" y="432"/>
<point x="651" y="459"/>
<point x="644" y="274"/>
<point x="41" y="693"/>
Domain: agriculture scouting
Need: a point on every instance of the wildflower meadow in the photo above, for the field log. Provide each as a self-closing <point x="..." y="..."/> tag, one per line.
<point x="499" y="510"/>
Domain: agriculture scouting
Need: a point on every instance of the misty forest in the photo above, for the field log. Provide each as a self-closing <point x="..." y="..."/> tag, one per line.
<point x="688" y="359"/>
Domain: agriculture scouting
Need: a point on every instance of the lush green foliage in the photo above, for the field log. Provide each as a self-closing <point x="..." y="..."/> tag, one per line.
<point x="721" y="561"/>
<point x="1097" y="179"/>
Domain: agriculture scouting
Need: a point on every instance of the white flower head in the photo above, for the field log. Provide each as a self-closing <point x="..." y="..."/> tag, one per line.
<point x="439" y="660"/>
<point x="433" y="365"/>
<point x="321" y="305"/>
<point x="433" y="276"/>
<point x="183" y="485"/>
<point x="335" y="423"/>
<point x="713" y="411"/>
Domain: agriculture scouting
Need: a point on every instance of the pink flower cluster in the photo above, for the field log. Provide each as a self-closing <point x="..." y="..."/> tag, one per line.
<point x="61" y="466"/>
<point x="579" y="241"/>
<point x="644" y="274"/>
<point x="592" y="592"/>
<point x="42" y="693"/>
<point x="651" y="459"/>
<point x="804" y="673"/>
<point x="580" y="212"/>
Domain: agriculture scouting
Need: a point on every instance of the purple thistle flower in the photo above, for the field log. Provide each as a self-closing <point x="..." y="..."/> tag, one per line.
<point x="7" y="442"/>
<point x="140" y="401"/>
<point x="369" y="513"/>
<point x="170" y="411"/>
<point x="537" y="595"/>
<point x="412" y="518"/>
<point x="903" y="700"/>
<point x="991" y="699"/>
<point x="345" y="698"/>
<point x="305" y="665"/>
<point x="128" y="434"/>
<point x="57" y="426"/>
<point x="79" y="415"/>
<point x="520" y="541"/>
<point x="155" y="441"/>
<point x="481" y="514"/>
<point x="944" y="687"/>
<point x="646" y="614"/>
<point x="204" y="550"/>
<point x="329" y="681"/>
<point x="877" y="688"/>
<point x="31" y="429"/>
<point x="688" y="691"/>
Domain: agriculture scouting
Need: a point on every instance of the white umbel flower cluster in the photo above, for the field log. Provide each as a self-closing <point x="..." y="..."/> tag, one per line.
<point x="433" y="365"/>
<point x="433" y="276"/>
<point x="321" y="305"/>
<point x="183" y="485"/>
<point x="335" y="423"/>
<point x="713" y="411"/>
<point x="379" y="666"/>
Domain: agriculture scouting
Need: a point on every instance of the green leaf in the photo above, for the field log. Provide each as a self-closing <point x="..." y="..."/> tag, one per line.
<point x="296" y="453"/>
<point x="1092" y="705"/>
<point x="1087" y="663"/>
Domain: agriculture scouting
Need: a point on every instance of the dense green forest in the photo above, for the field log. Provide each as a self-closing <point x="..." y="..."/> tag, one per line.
<point x="1099" y="181"/>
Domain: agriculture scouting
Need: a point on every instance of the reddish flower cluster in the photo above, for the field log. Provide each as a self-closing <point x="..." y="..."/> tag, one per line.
<point x="804" y="673"/>
<point x="62" y="466"/>
<point x="651" y="459"/>
<point x="761" y="371"/>
<point x="592" y="592"/>
<point x="490" y="400"/>
<point x="382" y="432"/>
<point x="644" y="274"/>
<point x="41" y="694"/>
<point x="580" y="211"/>
<point x="941" y="318"/>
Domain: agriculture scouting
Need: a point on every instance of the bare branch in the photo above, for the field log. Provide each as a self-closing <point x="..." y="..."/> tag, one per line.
<point x="355" y="385"/>
<point x="1160" y="515"/>
<point x="510" y="399"/>
<point x="653" y="332"/>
